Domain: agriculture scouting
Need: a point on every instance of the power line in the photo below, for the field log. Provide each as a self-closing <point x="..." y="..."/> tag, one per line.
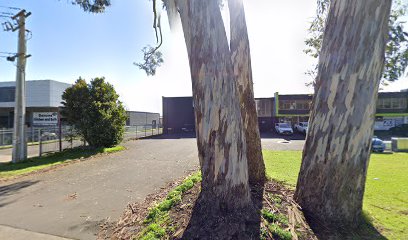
<point x="13" y="8"/>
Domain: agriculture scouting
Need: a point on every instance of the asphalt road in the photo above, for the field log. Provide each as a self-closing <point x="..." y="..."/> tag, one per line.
<point x="73" y="200"/>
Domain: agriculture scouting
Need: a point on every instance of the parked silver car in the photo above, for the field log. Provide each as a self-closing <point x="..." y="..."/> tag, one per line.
<point x="283" y="128"/>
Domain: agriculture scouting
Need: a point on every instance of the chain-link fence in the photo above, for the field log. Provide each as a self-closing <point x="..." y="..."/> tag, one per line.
<point x="45" y="140"/>
<point x="40" y="140"/>
<point x="58" y="139"/>
<point x="141" y="131"/>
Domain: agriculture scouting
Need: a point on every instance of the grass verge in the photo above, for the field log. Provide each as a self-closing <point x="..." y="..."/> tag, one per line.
<point x="156" y="222"/>
<point x="10" y="170"/>
<point x="385" y="198"/>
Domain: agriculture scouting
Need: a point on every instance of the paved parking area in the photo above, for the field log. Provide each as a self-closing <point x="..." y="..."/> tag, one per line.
<point x="73" y="200"/>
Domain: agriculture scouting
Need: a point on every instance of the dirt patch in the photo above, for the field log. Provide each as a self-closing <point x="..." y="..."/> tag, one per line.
<point x="280" y="215"/>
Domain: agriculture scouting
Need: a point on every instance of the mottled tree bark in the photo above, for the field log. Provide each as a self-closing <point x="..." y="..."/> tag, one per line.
<point x="331" y="182"/>
<point x="241" y="60"/>
<point x="219" y="128"/>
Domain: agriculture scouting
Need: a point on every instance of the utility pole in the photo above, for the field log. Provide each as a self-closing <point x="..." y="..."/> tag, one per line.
<point x="19" y="133"/>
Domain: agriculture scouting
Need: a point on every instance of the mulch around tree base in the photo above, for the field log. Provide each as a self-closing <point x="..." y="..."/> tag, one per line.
<point x="281" y="216"/>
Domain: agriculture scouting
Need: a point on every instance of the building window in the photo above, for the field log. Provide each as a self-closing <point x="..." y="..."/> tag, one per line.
<point x="302" y="105"/>
<point x="264" y="107"/>
<point x="392" y="103"/>
<point x="287" y="105"/>
<point x="294" y="105"/>
<point x="7" y="94"/>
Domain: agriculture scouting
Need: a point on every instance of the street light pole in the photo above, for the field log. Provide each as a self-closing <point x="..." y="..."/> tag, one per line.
<point x="19" y="135"/>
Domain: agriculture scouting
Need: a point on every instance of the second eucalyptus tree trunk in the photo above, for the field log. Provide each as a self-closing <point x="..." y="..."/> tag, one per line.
<point x="241" y="60"/>
<point x="219" y="128"/>
<point x="331" y="182"/>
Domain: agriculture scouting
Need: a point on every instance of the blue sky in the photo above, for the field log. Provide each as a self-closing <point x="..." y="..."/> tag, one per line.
<point x="67" y="43"/>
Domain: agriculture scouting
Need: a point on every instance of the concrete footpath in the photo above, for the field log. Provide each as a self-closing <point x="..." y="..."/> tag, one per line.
<point x="21" y="234"/>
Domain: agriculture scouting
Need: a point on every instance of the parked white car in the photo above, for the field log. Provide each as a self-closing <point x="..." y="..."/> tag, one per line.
<point x="302" y="127"/>
<point x="283" y="128"/>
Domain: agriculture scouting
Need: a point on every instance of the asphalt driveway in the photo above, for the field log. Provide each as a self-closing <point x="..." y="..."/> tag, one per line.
<point x="73" y="200"/>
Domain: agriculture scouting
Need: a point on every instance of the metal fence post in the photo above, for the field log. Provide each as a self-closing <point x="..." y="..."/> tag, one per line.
<point x="71" y="137"/>
<point x="145" y="130"/>
<point x="3" y="138"/>
<point x="60" y="136"/>
<point x="40" y="141"/>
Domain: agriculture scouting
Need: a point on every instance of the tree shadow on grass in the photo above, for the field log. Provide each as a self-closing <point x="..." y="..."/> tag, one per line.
<point x="365" y="230"/>
<point x="209" y="223"/>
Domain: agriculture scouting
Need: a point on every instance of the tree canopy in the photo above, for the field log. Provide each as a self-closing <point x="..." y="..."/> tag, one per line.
<point x="95" y="112"/>
<point x="396" y="54"/>
<point x="94" y="6"/>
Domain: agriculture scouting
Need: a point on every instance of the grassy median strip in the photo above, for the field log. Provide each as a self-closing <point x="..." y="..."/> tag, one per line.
<point x="9" y="170"/>
<point x="386" y="193"/>
<point x="158" y="216"/>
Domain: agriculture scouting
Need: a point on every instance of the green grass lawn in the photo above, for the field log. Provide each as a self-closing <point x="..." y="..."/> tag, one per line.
<point x="386" y="194"/>
<point x="9" y="170"/>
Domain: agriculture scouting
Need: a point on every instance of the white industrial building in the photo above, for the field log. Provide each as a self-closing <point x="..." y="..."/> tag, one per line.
<point x="43" y="101"/>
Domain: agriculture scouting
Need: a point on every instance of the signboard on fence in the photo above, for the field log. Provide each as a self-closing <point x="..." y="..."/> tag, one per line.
<point x="45" y="118"/>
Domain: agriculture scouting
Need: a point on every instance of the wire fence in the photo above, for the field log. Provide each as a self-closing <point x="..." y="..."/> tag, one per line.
<point x="141" y="131"/>
<point x="46" y="140"/>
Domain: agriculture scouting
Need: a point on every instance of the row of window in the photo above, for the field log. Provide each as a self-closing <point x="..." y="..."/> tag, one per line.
<point x="392" y="103"/>
<point x="294" y="104"/>
<point x="264" y="106"/>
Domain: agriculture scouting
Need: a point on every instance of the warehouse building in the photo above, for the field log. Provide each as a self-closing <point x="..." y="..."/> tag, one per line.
<point x="178" y="112"/>
<point x="142" y="118"/>
<point x="43" y="100"/>
<point x="43" y="105"/>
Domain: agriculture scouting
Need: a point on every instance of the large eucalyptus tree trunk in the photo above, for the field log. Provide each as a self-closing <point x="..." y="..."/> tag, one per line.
<point x="331" y="182"/>
<point x="241" y="60"/>
<point x="224" y="209"/>
<point x="220" y="136"/>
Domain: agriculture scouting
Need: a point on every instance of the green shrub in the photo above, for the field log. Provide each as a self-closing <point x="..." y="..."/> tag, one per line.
<point x="95" y="111"/>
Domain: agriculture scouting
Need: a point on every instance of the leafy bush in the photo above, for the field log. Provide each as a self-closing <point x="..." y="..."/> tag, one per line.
<point x="95" y="112"/>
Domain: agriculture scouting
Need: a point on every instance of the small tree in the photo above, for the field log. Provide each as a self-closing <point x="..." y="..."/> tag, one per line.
<point x="95" y="111"/>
